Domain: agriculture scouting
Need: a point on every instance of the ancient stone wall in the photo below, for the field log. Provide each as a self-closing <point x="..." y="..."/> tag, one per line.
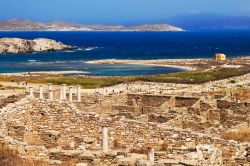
<point x="10" y="99"/>
<point x="185" y="101"/>
<point x="55" y="123"/>
<point x="236" y="107"/>
<point x="46" y="125"/>
<point x="147" y="100"/>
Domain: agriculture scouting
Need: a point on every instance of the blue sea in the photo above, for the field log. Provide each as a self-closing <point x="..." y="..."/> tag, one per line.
<point x="125" y="45"/>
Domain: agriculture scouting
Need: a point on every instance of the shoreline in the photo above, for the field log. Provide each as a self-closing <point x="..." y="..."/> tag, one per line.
<point x="200" y="64"/>
<point x="43" y="72"/>
<point x="154" y="62"/>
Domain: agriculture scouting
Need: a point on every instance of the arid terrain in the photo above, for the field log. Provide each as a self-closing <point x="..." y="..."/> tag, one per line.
<point x="198" y="117"/>
<point x="17" y="45"/>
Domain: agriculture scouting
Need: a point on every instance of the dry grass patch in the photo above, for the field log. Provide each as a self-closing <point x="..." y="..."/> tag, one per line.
<point x="189" y="77"/>
<point x="241" y="135"/>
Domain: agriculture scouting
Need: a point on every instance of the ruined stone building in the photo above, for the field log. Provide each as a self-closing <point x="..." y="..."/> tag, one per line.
<point x="126" y="128"/>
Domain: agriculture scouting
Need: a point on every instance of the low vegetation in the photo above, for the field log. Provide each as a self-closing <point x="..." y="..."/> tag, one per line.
<point x="191" y="77"/>
<point x="241" y="135"/>
<point x="232" y="81"/>
<point x="11" y="88"/>
<point x="91" y="82"/>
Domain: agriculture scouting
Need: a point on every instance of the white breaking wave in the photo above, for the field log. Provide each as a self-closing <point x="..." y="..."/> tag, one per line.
<point x="90" y="48"/>
<point x="86" y="48"/>
<point x="69" y="51"/>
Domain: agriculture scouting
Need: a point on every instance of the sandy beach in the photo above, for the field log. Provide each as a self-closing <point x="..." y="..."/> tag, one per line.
<point x="184" y="64"/>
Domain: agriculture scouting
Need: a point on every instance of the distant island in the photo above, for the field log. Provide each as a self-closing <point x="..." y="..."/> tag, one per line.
<point x="17" y="45"/>
<point x="27" y="25"/>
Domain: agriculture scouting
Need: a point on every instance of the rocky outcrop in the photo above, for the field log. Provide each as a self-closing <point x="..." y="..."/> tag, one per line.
<point x="17" y="45"/>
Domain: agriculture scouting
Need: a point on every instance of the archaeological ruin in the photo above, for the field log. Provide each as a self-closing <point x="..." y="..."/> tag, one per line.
<point x="137" y="124"/>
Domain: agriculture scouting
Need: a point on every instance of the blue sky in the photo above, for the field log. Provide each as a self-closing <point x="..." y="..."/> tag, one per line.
<point x="117" y="11"/>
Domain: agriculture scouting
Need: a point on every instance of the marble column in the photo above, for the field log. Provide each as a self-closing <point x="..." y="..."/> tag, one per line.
<point x="105" y="139"/>
<point x="61" y="95"/>
<point x="51" y="94"/>
<point x="151" y="155"/>
<point x="70" y="94"/>
<point x="49" y="86"/>
<point x="31" y="92"/>
<point x="64" y="92"/>
<point x="79" y="97"/>
<point x="41" y="91"/>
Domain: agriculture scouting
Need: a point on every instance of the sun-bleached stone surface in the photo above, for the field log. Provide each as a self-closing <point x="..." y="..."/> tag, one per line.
<point x="163" y="127"/>
<point x="17" y="45"/>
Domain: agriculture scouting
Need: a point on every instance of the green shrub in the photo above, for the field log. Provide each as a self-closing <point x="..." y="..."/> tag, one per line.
<point x="232" y="81"/>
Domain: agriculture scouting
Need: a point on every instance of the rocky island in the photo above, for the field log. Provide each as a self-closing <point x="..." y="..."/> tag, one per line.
<point x="17" y="45"/>
<point x="27" y="25"/>
<point x="154" y="27"/>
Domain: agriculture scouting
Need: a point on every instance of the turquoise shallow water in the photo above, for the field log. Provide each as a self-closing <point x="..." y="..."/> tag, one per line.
<point x="85" y="68"/>
<point x="125" y="45"/>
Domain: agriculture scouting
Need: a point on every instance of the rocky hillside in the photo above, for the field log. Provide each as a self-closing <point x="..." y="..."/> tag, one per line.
<point x="155" y="27"/>
<point x="16" y="45"/>
<point x="27" y="25"/>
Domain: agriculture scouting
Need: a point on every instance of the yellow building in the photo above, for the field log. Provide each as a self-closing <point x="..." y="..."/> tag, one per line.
<point x="220" y="57"/>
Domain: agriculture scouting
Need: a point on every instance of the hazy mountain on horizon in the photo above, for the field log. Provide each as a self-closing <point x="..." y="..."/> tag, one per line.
<point x="209" y="21"/>
<point x="192" y="21"/>
<point x="201" y="21"/>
